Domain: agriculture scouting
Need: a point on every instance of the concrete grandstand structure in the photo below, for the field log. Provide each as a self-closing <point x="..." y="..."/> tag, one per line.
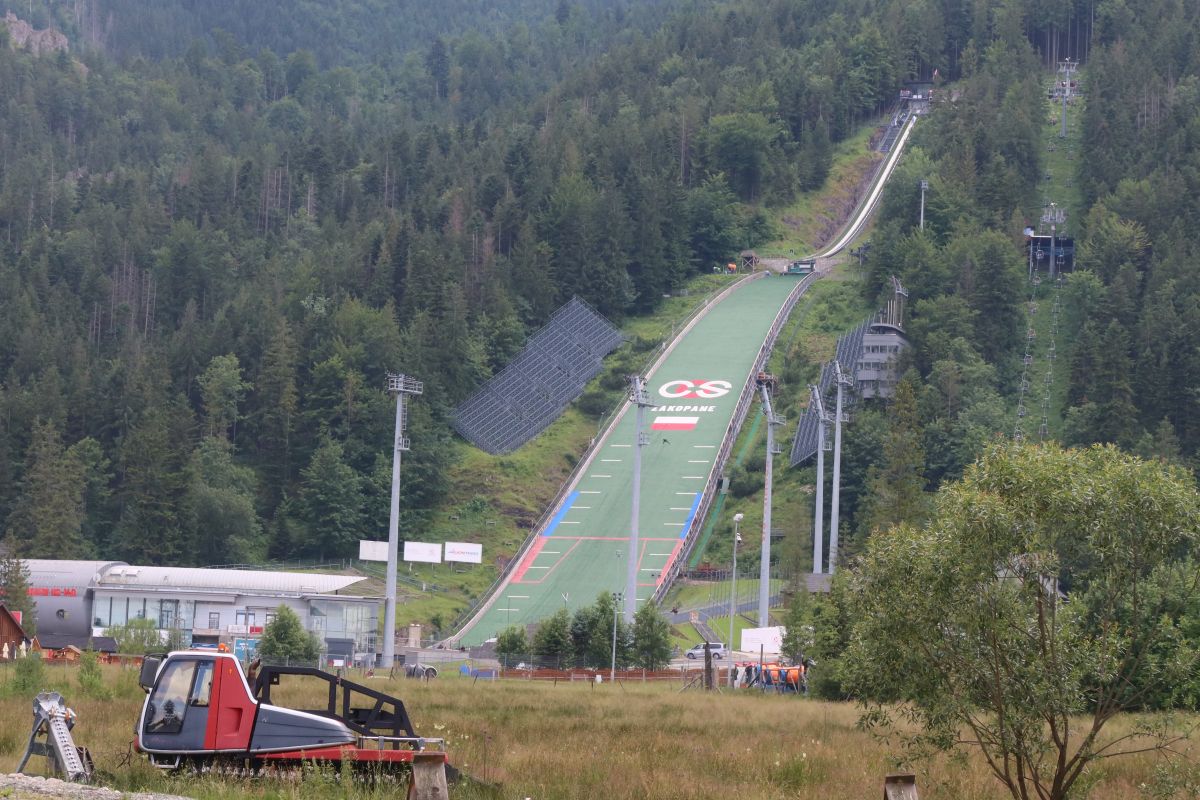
<point x="79" y="600"/>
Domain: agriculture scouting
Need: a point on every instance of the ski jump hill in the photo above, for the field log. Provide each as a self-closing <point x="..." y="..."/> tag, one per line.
<point x="703" y="386"/>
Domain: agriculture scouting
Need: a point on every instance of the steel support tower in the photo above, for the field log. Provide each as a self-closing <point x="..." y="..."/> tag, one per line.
<point x="843" y="380"/>
<point x="402" y="386"/>
<point x="764" y="570"/>
<point x="638" y="396"/>
<point x="819" y="511"/>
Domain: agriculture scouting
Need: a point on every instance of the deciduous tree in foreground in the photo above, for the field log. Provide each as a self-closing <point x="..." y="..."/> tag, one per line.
<point x="1042" y="600"/>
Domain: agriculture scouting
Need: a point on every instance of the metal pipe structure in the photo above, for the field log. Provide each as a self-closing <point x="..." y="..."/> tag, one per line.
<point x="737" y="539"/>
<point x="764" y="570"/>
<point x="819" y="512"/>
<point x="401" y="386"/>
<point x="837" y="469"/>
<point x="637" y="395"/>
<point x="612" y="673"/>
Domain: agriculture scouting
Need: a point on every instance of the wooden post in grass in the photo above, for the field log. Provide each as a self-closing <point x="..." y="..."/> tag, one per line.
<point x="428" y="781"/>
<point x="900" y="786"/>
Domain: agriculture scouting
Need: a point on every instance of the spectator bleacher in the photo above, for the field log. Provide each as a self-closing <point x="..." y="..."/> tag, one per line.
<point x="849" y="348"/>
<point x="530" y="393"/>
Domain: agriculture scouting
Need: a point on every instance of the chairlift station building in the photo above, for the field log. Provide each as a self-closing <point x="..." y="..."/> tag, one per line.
<point x="206" y="606"/>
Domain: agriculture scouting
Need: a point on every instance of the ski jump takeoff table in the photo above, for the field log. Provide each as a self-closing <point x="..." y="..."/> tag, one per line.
<point x="582" y="550"/>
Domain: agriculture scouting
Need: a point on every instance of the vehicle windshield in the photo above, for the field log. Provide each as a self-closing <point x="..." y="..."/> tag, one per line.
<point x="182" y="684"/>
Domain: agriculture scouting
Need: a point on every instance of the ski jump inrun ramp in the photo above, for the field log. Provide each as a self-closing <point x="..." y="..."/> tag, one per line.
<point x="703" y="386"/>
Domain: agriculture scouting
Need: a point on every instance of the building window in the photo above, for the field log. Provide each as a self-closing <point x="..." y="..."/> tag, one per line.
<point x="270" y="617"/>
<point x="167" y="614"/>
<point x="244" y="618"/>
<point x="214" y="619"/>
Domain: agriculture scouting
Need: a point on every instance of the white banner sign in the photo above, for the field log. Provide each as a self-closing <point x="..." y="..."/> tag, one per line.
<point x="464" y="551"/>
<point x="372" y="551"/>
<point x="769" y="639"/>
<point x="423" y="551"/>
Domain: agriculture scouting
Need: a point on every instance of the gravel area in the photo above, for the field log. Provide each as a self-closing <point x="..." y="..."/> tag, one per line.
<point x="35" y="787"/>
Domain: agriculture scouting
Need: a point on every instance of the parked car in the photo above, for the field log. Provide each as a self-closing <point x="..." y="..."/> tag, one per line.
<point x="716" y="648"/>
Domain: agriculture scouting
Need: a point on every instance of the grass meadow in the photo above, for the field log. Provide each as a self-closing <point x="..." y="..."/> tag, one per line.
<point x="530" y="739"/>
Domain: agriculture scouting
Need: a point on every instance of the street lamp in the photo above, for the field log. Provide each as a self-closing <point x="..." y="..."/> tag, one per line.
<point x="737" y="539"/>
<point x="612" y="673"/>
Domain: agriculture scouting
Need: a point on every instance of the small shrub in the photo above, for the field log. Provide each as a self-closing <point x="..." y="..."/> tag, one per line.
<point x="29" y="676"/>
<point x="594" y="403"/>
<point x="743" y="483"/>
<point x="642" y="344"/>
<point x="91" y="679"/>
<point x="613" y="380"/>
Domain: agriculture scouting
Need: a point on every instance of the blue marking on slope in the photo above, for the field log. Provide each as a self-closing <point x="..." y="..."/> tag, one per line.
<point x="562" y="512"/>
<point x="687" y="523"/>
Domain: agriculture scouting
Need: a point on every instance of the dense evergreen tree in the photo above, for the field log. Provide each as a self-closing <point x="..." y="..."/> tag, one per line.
<point x="651" y="646"/>
<point x="553" y="644"/>
<point x="47" y="521"/>
<point x="332" y="504"/>
<point x="14" y="591"/>
<point x="246" y="216"/>
<point x="896" y="484"/>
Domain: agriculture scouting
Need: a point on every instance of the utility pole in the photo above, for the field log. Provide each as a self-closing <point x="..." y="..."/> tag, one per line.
<point x="924" y="186"/>
<point x="764" y="571"/>
<point x="612" y="673"/>
<point x="819" y="513"/>
<point x="401" y="386"/>
<point x="737" y="539"/>
<point x="843" y="380"/>
<point x="638" y="395"/>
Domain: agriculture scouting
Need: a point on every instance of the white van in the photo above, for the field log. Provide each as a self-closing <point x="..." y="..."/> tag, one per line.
<point x="716" y="648"/>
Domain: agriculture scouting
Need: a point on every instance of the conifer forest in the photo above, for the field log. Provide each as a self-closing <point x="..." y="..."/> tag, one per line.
<point x="222" y="224"/>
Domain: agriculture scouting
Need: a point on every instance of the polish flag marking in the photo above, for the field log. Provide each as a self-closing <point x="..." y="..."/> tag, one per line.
<point x="674" y="423"/>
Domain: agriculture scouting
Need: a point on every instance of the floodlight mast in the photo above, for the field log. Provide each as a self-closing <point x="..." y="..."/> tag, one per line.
<point x="843" y="380"/>
<point x="638" y="396"/>
<point x="819" y="512"/>
<point x="764" y="569"/>
<point x="737" y="539"/>
<point x="401" y="386"/>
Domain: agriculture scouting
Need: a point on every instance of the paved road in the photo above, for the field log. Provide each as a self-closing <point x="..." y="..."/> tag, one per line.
<point x="582" y="550"/>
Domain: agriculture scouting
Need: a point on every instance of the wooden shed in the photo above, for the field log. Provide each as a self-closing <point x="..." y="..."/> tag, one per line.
<point x="11" y="632"/>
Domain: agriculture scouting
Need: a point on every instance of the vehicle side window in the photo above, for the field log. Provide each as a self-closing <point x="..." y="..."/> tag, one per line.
<point x="202" y="685"/>
<point x="167" y="705"/>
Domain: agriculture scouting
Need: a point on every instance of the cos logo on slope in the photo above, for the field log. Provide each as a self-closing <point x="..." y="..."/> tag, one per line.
<point x="707" y="390"/>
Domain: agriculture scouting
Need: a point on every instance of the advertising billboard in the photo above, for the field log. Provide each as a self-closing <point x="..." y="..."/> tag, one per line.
<point x="769" y="639"/>
<point x="465" y="552"/>
<point x="423" y="551"/>
<point x="372" y="551"/>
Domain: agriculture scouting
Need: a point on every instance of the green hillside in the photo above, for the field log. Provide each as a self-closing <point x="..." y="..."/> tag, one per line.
<point x="217" y="234"/>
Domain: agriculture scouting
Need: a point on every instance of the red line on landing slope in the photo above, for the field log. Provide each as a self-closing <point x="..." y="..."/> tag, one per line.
<point x="529" y="557"/>
<point x="562" y="557"/>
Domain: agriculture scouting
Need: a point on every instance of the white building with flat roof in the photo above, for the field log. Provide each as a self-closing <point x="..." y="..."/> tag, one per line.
<point x="206" y="607"/>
